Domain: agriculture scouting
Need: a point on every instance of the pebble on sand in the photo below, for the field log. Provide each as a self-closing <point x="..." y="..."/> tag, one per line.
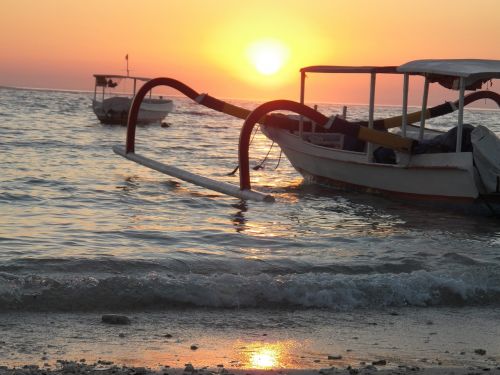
<point x="189" y="367"/>
<point x="480" y="351"/>
<point x="336" y="356"/>
<point x="115" y="319"/>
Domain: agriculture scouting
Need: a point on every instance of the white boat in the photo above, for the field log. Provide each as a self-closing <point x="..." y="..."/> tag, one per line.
<point x="458" y="166"/>
<point x="113" y="108"/>
<point x="429" y="169"/>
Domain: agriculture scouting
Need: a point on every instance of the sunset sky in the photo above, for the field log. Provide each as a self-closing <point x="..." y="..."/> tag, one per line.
<point x="238" y="49"/>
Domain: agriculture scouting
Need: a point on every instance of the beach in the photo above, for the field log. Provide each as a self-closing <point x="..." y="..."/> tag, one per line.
<point x="319" y="282"/>
<point x="242" y="341"/>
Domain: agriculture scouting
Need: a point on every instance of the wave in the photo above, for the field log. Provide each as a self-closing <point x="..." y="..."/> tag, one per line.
<point x="154" y="290"/>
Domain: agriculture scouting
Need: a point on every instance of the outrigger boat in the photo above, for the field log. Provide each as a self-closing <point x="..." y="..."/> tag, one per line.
<point x="113" y="109"/>
<point x="459" y="166"/>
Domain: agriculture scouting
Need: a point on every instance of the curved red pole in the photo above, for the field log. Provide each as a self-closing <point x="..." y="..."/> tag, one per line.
<point x="254" y="117"/>
<point x="138" y="98"/>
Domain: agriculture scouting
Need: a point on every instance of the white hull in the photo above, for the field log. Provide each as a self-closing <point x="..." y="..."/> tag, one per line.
<point x="114" y="110"/>
<point x="441" y="175"/>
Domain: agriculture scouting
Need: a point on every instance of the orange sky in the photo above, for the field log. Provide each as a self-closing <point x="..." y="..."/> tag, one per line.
<point x="60" y="44"/>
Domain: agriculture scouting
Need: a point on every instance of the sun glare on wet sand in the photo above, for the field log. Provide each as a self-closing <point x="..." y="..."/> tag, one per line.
<point x="267" y="355"/>
<point x="265" y="358"/>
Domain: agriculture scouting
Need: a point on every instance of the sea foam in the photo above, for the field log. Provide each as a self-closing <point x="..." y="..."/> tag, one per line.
<point x="478" y="286"/>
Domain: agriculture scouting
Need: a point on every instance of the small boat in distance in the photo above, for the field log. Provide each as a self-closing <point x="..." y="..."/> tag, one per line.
<point x="113" y="108"/>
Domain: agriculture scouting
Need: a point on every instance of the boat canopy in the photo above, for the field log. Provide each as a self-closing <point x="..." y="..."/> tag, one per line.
<point x="106" y="80"/>
<point x="348" y="69"/>
<point x="448" y="72"/>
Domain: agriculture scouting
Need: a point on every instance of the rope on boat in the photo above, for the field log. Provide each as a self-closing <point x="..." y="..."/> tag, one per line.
<point x="279" y="160"/>
<point x="233" y="172"/>
<point x="261" y="164"/>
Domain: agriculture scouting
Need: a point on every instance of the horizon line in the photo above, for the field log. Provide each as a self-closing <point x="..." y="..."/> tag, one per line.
<point x="75" y="91"/>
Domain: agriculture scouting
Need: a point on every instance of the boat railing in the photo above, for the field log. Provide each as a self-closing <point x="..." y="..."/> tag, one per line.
<point x="405" y="119"/>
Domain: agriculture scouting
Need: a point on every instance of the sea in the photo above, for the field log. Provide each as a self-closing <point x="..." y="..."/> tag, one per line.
<point x="321" y="277"/>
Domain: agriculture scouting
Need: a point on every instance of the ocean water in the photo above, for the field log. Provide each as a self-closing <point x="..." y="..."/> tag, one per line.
<point x="83" y="230"/>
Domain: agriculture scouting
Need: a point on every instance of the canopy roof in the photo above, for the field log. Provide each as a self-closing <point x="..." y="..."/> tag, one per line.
<point x="106" y="76"/>
<point x="447" y="72"/>
<point x="348" y="69"/>
<point x="456" y="68"/>
<point x="106" y="80"/>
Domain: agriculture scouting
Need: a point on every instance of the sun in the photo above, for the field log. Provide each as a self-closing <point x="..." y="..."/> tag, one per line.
<point x="268" y="56"/>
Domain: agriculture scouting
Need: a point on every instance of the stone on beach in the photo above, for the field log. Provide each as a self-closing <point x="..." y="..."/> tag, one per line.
<point x="335" y="357"/>
<point x="115" y="319"/>
<point x="189" y="368"/>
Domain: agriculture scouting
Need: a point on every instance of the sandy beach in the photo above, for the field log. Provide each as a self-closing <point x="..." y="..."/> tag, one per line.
<point x="206" y="342"/>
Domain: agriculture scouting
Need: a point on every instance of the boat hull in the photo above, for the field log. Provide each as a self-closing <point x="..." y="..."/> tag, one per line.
<point x="115" y="110"/>
<point x="446" y="176"/>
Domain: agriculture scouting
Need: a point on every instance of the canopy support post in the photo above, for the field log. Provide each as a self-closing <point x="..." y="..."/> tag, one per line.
<point x="460" y="114"/>
<point x="423" y="113"/>
<point x="406" y="83"/>
<point x="302" y="97"/>
<point x="371" y="114"/>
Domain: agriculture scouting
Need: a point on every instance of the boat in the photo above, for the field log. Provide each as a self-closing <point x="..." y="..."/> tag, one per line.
<point x="460" y="165"/>
<point x="113" y="108"/>
<point x="388" y="156"/>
